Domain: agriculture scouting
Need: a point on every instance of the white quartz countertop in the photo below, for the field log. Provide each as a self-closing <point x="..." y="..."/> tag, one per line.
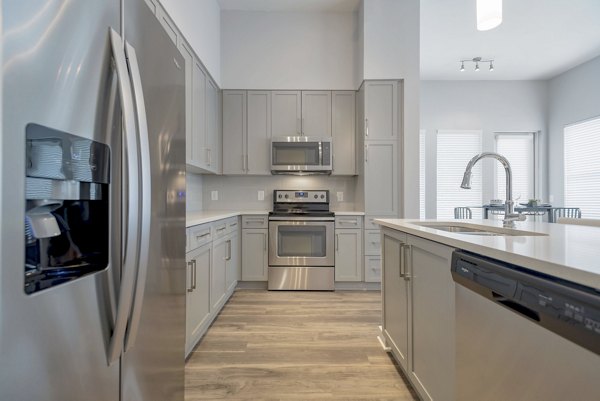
<point x="196" y="218"/>
<point x="570" y="252"/>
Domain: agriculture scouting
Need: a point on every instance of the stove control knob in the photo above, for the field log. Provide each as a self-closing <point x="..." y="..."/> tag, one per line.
<point x="316" y="196"/>
<point x="286" y="196"/>
<point x="280" y="196"/>
<point x="322" y="196"/>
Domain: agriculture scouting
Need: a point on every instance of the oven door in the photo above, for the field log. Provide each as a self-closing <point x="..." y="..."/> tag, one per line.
<point x="301" y="243"/>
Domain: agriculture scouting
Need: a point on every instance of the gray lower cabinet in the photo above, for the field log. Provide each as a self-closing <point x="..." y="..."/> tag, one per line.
<point x="372" y="268"/>
<point x="343" y="132"/>
<point x="316" y="113"/>
<point x="418" y="312"/>
<point x="213" y="132"/>
<point x="197" y="295"/>
<point x="348" y="255"/>
<point x="254" y="254"/>
<point x="232" y="272"/>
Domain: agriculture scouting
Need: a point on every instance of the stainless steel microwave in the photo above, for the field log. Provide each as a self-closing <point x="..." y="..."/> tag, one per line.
<point x="301" y="155"/>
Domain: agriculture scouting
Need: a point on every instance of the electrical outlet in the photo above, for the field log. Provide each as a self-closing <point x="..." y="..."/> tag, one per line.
<point x="261" y="195"/>
<point x="340" y="196"/>
<point x="214" y="195"/>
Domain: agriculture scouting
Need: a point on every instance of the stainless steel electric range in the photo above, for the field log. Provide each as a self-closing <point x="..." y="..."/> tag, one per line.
<point x="301" y="241"/>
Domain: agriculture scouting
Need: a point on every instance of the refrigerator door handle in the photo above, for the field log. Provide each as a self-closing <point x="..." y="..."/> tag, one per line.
<point x="146" y="191"/>
<point x="131" y="206"/>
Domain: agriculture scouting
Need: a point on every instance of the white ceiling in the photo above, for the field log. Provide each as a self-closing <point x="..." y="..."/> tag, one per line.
<point x="290" y="5"/>
<point x="538" y="39"/>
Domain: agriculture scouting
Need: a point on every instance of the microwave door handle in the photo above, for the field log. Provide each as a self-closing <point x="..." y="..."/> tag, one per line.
<point x="321" y="153"/>
<point x="131" y="205"/>
<point x="146" y="201"/>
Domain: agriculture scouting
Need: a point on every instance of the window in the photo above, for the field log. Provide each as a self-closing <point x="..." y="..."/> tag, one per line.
<point x="454" y="150"/>
<point x="422" y="174"/>
<point x="519" y="149"/>
<point x="582" y="167"/>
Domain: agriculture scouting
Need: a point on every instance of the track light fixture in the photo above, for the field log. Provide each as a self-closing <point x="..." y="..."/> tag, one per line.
<point x="476" y="60"/>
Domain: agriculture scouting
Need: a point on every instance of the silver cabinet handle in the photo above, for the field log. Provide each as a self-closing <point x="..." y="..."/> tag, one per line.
<point x="407" y="253"/>
<point x="355" y="222"/>
<point x="264" y="242"/>
<point x="202" y="236"/>
<point x="191" y="266"/>
<point x="130" y="237"/>
<point x="366" y="153"/>
<point x="195" y="274"/>
<point x="303" y="125"/>
<point x="402" y="260"/>
<point x="146" y="201"/>
<point x="221" y="228"/>
<point x="337" y="242"/>
<point x="228" y="250"/>
<point x="366" y="126"/>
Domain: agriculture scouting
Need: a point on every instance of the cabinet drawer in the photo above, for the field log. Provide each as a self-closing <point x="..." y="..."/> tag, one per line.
<point x="369" y="225"/>
<point x="199" y="235"/>
<point x="255" y="221"/>
<point x="373" y="269"/>
<point x="372" y="242"/>
<point x="219" y="228"/>
<point x="232" y="224"/>
<point x="348" y="222"/>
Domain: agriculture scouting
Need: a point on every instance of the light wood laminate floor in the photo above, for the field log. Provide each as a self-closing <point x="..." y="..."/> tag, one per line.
<point x="295" y="346"/>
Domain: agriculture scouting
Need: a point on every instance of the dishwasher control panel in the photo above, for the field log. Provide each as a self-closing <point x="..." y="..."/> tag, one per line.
<point x="568" y="309"/>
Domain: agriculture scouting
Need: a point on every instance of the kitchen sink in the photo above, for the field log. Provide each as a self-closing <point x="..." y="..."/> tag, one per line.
<point x="472" y="229"/>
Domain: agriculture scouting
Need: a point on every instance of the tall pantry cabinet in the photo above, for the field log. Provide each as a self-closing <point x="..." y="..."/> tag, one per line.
<point x="378" y="136"/>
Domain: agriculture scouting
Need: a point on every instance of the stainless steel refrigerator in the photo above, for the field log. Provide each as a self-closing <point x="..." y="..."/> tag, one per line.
<point x="92" y="255"/>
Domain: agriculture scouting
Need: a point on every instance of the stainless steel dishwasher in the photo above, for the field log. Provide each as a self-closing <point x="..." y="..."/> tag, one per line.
<point x="521" y="335"/>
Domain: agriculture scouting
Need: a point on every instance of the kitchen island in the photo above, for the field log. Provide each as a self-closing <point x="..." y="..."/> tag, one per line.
<point x="454" y="344"/>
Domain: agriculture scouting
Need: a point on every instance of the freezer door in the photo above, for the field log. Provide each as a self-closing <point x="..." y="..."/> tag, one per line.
<point x="57" y="73"/>
<point x="153" y="363"/>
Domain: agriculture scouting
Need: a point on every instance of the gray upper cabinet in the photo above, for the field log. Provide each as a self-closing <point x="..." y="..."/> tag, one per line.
<point x="199" y="116"/>
<point x="316" y="113"/>
<point x="381" y="178"/>
<point x="285" y="113"/>
<point x="343" y="132"/>
<point x="246" y="132"/>
<point x="152" y="5"/>
<point x="234" y="132"/>
<point x="190" y="151"/>
<point x="258" y="161"/>
<point x="212" y="126"/>
<point x="381" y="110"/>
<point x="167" y="23"/>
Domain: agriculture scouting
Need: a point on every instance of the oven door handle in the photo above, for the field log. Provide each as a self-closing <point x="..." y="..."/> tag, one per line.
<point x="296" y="219"/>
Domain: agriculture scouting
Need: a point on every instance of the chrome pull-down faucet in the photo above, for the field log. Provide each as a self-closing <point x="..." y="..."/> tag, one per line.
<point x="509" y="206"/>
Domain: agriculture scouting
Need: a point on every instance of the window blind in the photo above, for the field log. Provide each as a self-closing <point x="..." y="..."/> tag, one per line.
<point x="454" y="150"/>
<point x="422" y="174"/>
<point x="582" y="167"/>
<point x="519" y="149"/>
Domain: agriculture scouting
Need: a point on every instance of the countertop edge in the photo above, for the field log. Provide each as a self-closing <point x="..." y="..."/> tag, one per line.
<point x="204" y="217"/>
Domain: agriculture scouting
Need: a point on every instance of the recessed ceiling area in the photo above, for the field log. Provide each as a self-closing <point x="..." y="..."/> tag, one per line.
<point x="290" y="5"/>
<point x="538" y="39"/>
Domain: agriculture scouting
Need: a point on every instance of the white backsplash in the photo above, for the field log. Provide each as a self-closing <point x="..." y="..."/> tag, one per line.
<point x="193" y="199"/>
<point x="241" y="192"/>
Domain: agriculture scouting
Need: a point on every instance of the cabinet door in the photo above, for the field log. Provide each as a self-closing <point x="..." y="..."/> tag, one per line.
<point x="199" y="116"/>
<point x="348" y="252"/>
<point x="217" y="273"/>
<point x="381" y="178"/>
<point x="254" y="255"/>
<point x="234" y="132"/>
<point x="316" y="113"/>
<point x="212" y="126"/>
<point x="258" y="149"/>
<point x="232" y="275"/>
<point x="396" y="295"/>
<point x="373" y="268"/>
<point x="343" y="132"/>
<point x="432" y="361"/>
<point x="285" y="113"/>
<point x="190" y="152"/>
<point x="381" y="110"/>
<point x="197" y="299"/>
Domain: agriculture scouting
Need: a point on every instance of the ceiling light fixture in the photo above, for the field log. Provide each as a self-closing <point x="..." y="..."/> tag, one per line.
<point x="476" y="60"/>
<point x="489" y="14"/>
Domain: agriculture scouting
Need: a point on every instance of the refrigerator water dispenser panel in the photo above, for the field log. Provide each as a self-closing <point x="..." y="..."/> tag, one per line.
<point x="66" y="207"/>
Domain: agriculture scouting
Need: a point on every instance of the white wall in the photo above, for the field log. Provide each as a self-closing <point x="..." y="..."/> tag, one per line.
<point x="392" y="51"/>
<point x="241" y="192"/>
<point x="284" y="50"/>
<point x="573" y="96"/>
<point x="200" y="23"/>
<point x="489" y="106"/>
